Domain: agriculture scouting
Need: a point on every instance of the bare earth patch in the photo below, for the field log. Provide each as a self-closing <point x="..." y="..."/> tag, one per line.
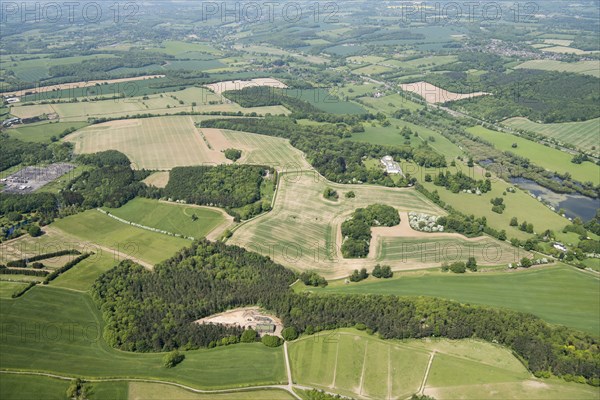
<point x="246" y="317"/>
<point x="157" y="179"/>
<point x="435" y="95"/>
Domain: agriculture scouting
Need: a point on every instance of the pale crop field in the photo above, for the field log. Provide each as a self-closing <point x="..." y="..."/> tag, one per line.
<point x="303" y="229"/>
<point x="152" y="143"/>
<point x="581" y="67"/>
<point x="258" y="149"/>
<point x="583" y="135"/>
<point x="434" y="94"/>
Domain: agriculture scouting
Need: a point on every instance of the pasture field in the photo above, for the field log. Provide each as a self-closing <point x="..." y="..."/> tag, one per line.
<point x="519" y="204"/>
<point x="303" y="229"/>
<point x="359" y="365"/>
<point x="358" y="90"/>
<point x="82" y="276"/>
<point x="157" y="391"/>
<point x="556" y="293"/>
<point x="187" y="49"/>
<point x="544" y="156"/>
<point x="581" y="67"/>
<point x="21" y="387"/>
<point x="8" y="288"/>
<point x="152" y="143"/>
<point x="258" y="149"/>
<point x="373" y="69"/>
<point x="84" y="353"/>
<point x="123" y="240"/>
<point x="41" y="133"/>
<point x="583" y="135"/>
<point x="327" y="101"/>
<point x="366" y="59"/>
<point x="391" y="103"/>
<point x="171" y="217"/>
<point x="423" y="62"/>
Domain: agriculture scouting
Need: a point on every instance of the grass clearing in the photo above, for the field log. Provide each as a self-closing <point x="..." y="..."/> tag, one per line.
<point x="583" y="135"/>
<point x="170" y="217"/>
<point x="558" y="294"/>
<point x="84" y="353"/>
<point x="84" y="274"/>
<point x="544" y="156"/>
<point x="130" y="242"/>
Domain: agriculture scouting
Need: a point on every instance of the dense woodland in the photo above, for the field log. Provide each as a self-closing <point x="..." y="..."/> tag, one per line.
<point x="337" y="159"/>
<point x="357" y="229"/>
<point x="16" y="152"/>
<point x="154" y="310"/>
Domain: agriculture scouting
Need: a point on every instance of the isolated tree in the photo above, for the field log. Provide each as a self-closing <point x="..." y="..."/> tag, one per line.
<point x="472" y="264"/>
<point x="34" y="231"/>
<point x="172" y="358"/>
<point x="514" y="221"/>
<point x="525" y="262"/>
<point x="289" y="333"/>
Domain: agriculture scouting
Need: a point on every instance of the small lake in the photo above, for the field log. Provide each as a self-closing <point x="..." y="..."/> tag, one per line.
<point x="575" y="205"/>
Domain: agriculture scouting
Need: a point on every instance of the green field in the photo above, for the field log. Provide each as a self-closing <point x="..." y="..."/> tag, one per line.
<point x="359" y="365"/>
<point x="80" y="350"/>
<point x="41" y="133"/>
<point x="389" y="104"/>
<point x="327" y="102"/>
<point x="558" y="294"/>
<point x="372" y="70"/>
<point x="582" y="135"/>
<point x="131" y="242"/>
<point x="544" y="156"/>
<point x="155" y="391"/>
<point x="170" y="217"/>
<point x="580" y="67"/>
<point x="8" y="288"/>
<point x="23" y="387"/>
<point x="83" y="275"/>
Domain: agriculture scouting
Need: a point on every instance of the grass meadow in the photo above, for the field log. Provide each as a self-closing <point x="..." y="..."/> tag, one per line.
<point x="558" y="294"/>
<point x="583" y="135"/>
<point x="170" y="217"/>
<point x="41" y="133"/>
<point x="580" y="67"/>
<point x="544" y="156"/>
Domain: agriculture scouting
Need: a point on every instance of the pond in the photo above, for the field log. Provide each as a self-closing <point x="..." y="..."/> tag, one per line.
<point x="575" y="205"/>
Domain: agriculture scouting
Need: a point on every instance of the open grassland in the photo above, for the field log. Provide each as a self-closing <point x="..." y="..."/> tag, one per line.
<point x="22" y="387"/>
<point x="41" y="133"/>
<point x="519" y="204"/>
<point x="124" y="240"/>
<point x="171" y="217"/>
<point x="558" y="294"/>
<point x="8" y="288"/>
<point x="389" y="104"/>
<point x="422" y="63"/>
<point x="82" y="276"/>
<point x="258" y="149"/>
<point x="156" y="391"/>
<point x="359" y="365"/>
<point x="583" y="135"/>
<point x="303" y="229"/>
<point x="151" y="143"/>
<point x="373" y="69"/>
<point x="544" y="156"/>
<point x="81" y="350"/>
<point x="580" y="67"/>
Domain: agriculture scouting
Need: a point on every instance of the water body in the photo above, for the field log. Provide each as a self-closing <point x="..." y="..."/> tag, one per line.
<point x="575" y="205"/>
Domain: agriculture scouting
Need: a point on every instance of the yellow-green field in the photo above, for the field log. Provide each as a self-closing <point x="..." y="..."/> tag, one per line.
<point x="359" y="365"/>
<point x="584" y="135"/>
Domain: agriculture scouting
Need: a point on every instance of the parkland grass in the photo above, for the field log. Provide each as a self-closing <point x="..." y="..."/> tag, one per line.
<point x="558" y="294"/>
<point x="170" y="217"/>
<point x="544" y="156"/>
<point x="78" y="348"/>
<point x="582" y="135"/>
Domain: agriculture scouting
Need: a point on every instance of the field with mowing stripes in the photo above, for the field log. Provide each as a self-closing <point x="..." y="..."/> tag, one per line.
<point x="557" y="293"/>
<point x="583" y="135"/>
<point x="171" y="217"/>
<point x="359" y="365"/>
<point x="303" y="229"/>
